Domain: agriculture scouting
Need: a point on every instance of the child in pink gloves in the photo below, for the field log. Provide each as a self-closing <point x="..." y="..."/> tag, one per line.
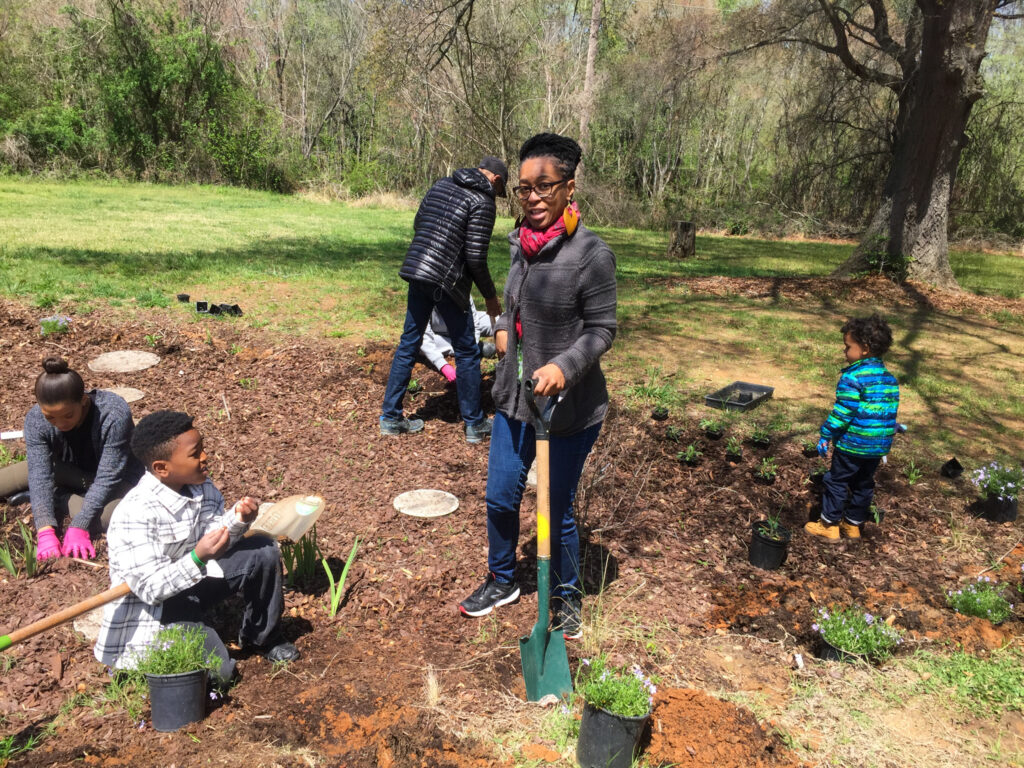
<point x="436" y="346"/>
<point x="79" y="463"/>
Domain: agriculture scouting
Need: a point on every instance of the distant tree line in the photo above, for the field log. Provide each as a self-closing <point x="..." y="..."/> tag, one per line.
<point x="369" y="95"/>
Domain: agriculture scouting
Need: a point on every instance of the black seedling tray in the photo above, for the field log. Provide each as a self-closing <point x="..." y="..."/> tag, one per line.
<point x="739" y="396"/>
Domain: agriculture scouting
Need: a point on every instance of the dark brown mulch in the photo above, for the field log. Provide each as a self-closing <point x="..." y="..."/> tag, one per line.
<point x="286" y="416"/>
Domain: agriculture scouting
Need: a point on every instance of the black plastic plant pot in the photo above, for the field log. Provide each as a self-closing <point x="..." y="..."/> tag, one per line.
<point x="659" y="414"/>
<point x="817" y="479"/>
<point x="952" y="469"/>
<point x="761" y="442"/>
<point x="202" y="307"/>
<point x="607" y="740"/>
<point x="828" y="652"/>
<point x="810" y="453"/>
<point x="714" y="434"/>
<point x="691" y="462"/>
<point x="183" y="298"/>
<point x="995" y="510"/>
<point x="762" y="480"/>
<point x="734" y="458"/>
<point x="177" y="700"/>
<point x="765" y="552"/>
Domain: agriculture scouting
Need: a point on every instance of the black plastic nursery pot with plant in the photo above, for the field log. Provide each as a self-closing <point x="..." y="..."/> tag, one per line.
<point x="769" y="545"/>
<point x="660" y="413"/>
<point x="177" y="700"/>
<point x="608" y="740"/>
<point x="995" y="509"/>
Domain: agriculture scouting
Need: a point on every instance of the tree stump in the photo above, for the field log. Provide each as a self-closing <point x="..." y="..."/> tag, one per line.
<point x="684" y="240"/>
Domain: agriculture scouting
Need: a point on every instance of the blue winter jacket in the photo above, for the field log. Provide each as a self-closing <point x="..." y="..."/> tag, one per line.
<point x="863" y="420"/>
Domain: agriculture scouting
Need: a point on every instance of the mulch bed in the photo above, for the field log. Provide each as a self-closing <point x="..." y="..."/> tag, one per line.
<point x="285" y="415"/>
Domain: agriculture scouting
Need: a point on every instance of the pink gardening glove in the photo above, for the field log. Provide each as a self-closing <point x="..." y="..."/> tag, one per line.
<point x="78" y="544"/>
<point x="448" y="372"/>
<point x="48" y="545"/>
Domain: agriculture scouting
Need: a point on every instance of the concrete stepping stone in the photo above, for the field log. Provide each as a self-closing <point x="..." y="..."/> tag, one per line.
<point x="128" y="394"/>
<point x="123" y="361"/>
<point x="426" y="503"/>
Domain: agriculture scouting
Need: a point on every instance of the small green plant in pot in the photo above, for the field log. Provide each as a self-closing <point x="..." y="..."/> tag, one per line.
<point x="982" y="598"/>
<point x="713" y="428"/>
<point x="1000" y="486"/>
<point x="673" y="434"/>
<point x="769" y="543"/>
<point x="617" y="707"/>
<point x="690" y="456"/>
<point x="809" y="448"/>
<point x="761" y="437"/>
<point x="176" y="665"/>
<point x="733" y="449"/>
<point x="851" y="632"/>
<point x="767" y="471"/>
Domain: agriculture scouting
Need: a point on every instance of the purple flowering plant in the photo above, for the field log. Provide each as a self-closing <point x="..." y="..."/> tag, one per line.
<point x="176" y="649"/>
<point x="55" y="324"/>
<point x="998" y="480"/>
<point x="857" y="631"/>
<point x="982" y="598"/>
<point x="620" y="690"/>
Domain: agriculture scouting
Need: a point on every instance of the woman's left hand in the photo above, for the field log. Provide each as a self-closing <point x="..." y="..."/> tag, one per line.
<point x="550" y="380"/>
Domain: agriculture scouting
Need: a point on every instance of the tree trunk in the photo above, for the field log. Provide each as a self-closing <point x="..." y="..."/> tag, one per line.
<point x="587" y="103"/>
<point x="908" y="235"/>
<point x="683" y="244"/>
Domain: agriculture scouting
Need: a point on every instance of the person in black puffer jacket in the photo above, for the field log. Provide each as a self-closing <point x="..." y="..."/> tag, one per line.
<point x="447" y="256"/>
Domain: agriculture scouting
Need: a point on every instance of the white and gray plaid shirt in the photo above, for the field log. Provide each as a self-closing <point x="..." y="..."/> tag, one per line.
<point x="151" y="536"/>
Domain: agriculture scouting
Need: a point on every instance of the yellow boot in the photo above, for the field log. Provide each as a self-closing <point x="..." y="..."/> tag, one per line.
<point x="849" y="530"/>
<point x="829" y="533"/>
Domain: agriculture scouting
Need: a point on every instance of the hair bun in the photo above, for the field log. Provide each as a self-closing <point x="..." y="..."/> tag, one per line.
<point x="55" y="365"/>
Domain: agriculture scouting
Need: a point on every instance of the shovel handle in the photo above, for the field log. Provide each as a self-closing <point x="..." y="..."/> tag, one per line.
<point x="6" y="641"/>
<point x="541" y="414"/>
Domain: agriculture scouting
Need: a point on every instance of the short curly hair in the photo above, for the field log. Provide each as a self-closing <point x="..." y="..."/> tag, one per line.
<point x="153" y="438"/>
<point x="871" y="332"/>
<point x="564" y="151"/>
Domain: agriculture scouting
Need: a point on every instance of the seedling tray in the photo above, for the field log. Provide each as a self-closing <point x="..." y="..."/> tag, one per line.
<point x="739" y="396"/>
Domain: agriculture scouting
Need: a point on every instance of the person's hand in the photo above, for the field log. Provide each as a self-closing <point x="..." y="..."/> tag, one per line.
<point x="823" y="447"/>
<point x="550" y="380"/>
<point x="47" y="544"/>
<point x="247" y="508"/>
<point x="501" y="343"/>
<point x="213" y="544"/>
<point x="78" y="544"/>
<point x="493" y="306"/>
<point x="448" y="371"/>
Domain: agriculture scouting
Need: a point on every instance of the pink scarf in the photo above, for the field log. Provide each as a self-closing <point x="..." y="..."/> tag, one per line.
<point x="532" y="240"/>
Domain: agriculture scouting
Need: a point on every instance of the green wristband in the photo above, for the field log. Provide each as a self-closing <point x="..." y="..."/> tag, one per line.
<point x="196" y="560"/>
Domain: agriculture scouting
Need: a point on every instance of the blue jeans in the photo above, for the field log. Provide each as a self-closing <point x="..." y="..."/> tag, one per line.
<point x="423" y="299"/>
<point x="513" y="447"/>
<point x="852" y="476"/>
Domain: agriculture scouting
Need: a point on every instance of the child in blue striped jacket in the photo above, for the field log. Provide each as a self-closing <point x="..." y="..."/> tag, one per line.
<point x="860" y="426"/>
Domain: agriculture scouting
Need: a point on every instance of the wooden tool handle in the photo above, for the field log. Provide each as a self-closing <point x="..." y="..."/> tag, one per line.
<point x="62" y="616"/>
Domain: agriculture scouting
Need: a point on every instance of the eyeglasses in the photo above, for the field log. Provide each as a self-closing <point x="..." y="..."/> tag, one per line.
<point x="543" y="189"/>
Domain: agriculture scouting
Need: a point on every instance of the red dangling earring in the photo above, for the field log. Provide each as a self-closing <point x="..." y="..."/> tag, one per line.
<point x="571" y="218"/>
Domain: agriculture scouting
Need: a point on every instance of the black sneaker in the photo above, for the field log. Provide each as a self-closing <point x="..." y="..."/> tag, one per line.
<point x="488" y="596"/>
<point x="477" y="433"/>
<point x="568" y="617"/>
<point x="400" y="426"/>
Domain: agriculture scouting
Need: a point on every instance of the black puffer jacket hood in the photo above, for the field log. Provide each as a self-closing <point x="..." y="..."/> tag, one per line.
<point x="453" y="232"/>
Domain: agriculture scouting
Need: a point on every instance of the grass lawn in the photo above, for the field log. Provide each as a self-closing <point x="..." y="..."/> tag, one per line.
<point x="300" y="265"/>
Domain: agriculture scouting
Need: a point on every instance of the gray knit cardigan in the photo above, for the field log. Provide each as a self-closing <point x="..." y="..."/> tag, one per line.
<point x="565" y="300"/>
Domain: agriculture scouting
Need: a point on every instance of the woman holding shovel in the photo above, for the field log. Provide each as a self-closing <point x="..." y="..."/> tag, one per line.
<point x="559" y="319"/>
<point x="78" y="460"/>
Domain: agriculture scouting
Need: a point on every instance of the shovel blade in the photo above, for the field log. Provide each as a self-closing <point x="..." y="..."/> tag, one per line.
<point x="545" y="663"/>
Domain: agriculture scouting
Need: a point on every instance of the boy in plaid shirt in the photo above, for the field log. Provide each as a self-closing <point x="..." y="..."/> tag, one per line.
<point x="179" y="551"/>
<point x="861" y="426"/>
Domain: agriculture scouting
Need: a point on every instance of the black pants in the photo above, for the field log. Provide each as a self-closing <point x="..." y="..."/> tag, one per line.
<point x="252" y="568"/>
<point x="849" y="476"/>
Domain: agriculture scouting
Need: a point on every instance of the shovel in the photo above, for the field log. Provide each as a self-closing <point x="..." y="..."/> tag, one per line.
<point x="545" y="662"/>
<point x="288" y="519"/>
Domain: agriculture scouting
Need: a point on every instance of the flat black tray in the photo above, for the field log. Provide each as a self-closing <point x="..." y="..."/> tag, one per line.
<point x="739" y="396"/>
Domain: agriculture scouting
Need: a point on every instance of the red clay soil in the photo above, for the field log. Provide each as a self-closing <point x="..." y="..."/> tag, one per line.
<point x="691" y="728"/>
<point x="285" y="415"/>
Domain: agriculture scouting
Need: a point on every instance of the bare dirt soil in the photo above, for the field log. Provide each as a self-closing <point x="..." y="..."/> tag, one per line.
<point x="398" y="678"/>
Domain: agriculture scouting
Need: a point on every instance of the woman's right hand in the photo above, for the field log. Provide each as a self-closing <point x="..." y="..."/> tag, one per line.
<point x="501" y="343"/>
<point x="213" y="544"/>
